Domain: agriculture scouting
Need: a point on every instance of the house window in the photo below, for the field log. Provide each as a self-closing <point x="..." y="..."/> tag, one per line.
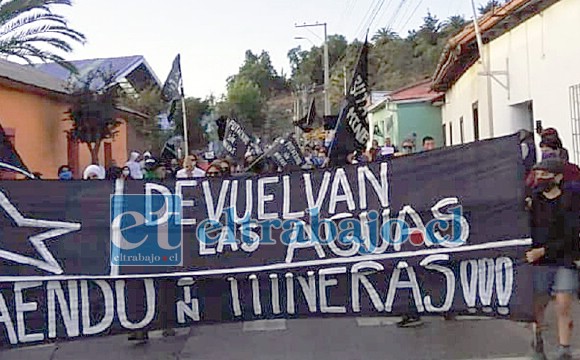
<point x="450" y="133"/>
<point x="444" y="134"/>
<point x="461" y="133"/>
<point x="475" y="109"/>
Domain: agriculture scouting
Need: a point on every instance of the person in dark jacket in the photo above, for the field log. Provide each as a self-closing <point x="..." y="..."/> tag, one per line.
<point x="551" y="147"/>
<point x="554" y="221"/>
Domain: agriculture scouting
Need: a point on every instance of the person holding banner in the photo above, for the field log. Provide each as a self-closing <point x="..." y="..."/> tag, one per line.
<point x="555" y="226"/>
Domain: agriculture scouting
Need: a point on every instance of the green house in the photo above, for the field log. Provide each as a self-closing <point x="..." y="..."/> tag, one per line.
<point x="414" y="109"/>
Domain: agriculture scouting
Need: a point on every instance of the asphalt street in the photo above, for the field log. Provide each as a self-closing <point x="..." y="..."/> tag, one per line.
<point x="320" y="339"/>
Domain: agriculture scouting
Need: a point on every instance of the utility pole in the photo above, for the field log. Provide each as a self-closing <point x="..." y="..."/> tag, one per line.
<point x="296" y="113"/>
<point x="326" y="67"/>
<point x="344" y="79"/>
<point x="485" y="64"/>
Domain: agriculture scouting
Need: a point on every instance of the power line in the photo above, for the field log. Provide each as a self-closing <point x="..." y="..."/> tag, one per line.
<point x="376" y="10"/>
<point x="404" y="15"/>
<point x="390" y="23"/>
<point x="315" y="34"/>
<point x="412" y="14"/>
<point x="365" y="19"/>
<point x="384" y="12"/>
<point x="347" y="10"/>
<point x="374" y="17"/>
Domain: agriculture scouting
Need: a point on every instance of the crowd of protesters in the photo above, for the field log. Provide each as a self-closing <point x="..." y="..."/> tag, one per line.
<point x="552" y="200"/>
<point x="204" y="164"/>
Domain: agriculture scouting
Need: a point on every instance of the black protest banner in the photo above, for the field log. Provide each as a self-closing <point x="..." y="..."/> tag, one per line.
<point x="352" y="130"/>
<point x="236" y="141"/>
<point x="447" y="227"/>
<point x="287" y="153"/>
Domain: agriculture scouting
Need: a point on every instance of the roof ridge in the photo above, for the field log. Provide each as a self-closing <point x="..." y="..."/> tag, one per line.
<point x="93" y="59"/>
<point x="29" y="68"/>
<point x="407" y="87"/>
<point x="30" y="75"/>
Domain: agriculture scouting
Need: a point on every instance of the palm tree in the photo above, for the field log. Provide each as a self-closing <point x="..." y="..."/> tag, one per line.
<point x="30" y="30"/>
<point x="454" y="24"/>
<point x="491" y="5"/>
<point x="385" y="34"/>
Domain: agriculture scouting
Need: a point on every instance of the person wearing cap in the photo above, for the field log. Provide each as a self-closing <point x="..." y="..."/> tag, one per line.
<point x="554" y="220"/>
<point x="551" y="147"/>
<point x="551" y="135"/>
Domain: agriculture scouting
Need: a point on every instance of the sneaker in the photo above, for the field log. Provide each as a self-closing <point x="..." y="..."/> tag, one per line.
<point x="409" y="322"/>
<point x="538" y="347"/>
<point x="539" y="356"/>
<point x="563" y="353"/>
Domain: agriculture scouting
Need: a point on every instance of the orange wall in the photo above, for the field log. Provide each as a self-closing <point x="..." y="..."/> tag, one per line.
<point x="39" y="129"/>
<point x="40" y="136"/>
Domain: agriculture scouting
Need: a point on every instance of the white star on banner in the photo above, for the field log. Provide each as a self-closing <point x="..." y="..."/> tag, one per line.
<point x="57" y="228"/>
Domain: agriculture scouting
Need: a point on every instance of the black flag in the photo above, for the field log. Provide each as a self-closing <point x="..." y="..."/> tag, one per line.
<point x="352" y="128"/>
<point x="330" y="122"/>
<point x="287" y="153"/>
<point x="173" y="87"/>
<point x="237" y="142"/>
<point x="221" y="123"/>
<point x="170" y="148"/>
<point x="8" y="154"/>
<point x="306" y="122"/>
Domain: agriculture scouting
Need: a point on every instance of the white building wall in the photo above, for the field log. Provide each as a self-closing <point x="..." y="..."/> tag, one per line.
<point x="458" y="103"/>
<point x="544" y="61"/>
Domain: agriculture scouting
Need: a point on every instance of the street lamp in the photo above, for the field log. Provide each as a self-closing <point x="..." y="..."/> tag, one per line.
<point x="304" y="38"/>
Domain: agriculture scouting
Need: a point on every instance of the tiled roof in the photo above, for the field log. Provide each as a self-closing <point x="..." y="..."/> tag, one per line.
<point x="420" y="91"/>
<point x="120" y="67"/>
<point x="461" y="50"/>
<point x="29" y="76"/>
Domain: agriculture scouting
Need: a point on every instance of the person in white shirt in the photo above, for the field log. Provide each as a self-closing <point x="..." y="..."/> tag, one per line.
<point x="190" y="170"/>
<point x="135" y="166"/>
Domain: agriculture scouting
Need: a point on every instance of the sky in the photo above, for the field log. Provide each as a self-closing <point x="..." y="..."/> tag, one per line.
<point x="212" y="36"/>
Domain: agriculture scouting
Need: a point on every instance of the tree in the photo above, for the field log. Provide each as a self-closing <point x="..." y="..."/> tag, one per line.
<point x="453" y="25"/>
<point x="310" y="69"/>
<point x="196" y="108"/>
<point x="150" y="103"/>
<point x="244" y="102"/>
<point x="296" y="56"/>
<point x="430" y="29"/>
<point x="259" y="70"/>
<point x="491" y="5"/>
<point x="93" y="113"/>
<point x="28" y="28"/>
<point x="385" y="34"/>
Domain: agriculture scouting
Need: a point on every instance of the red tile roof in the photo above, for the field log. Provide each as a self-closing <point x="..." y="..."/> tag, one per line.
<point x="418" y="91"/>
<point x="461" y="50"/>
